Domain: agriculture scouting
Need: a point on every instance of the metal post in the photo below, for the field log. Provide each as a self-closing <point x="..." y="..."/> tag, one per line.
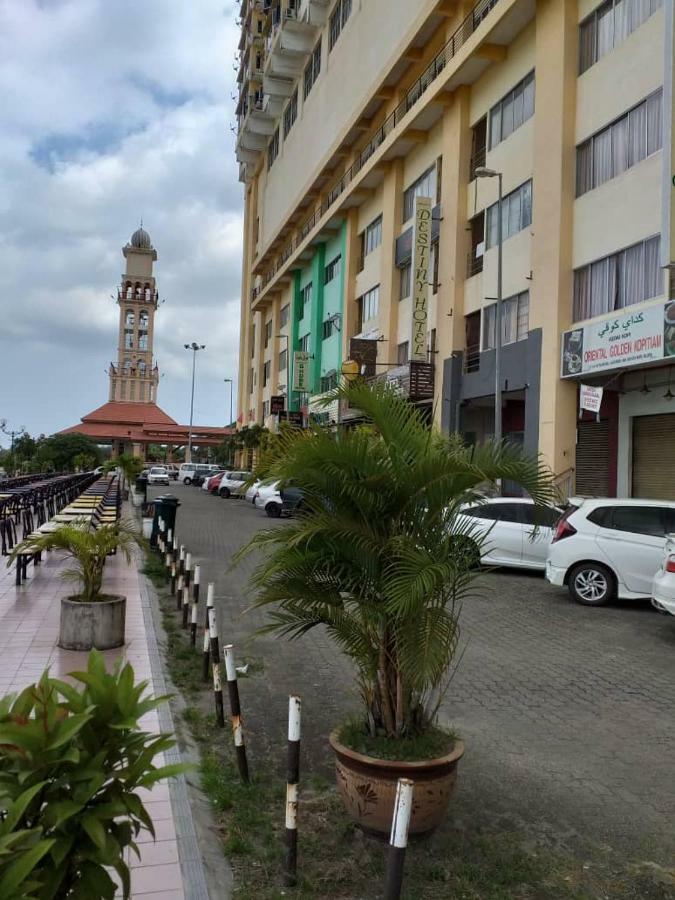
<point x="186" y="589"/>
<point x="172" y="587"/>
<point x="498" y="325"/>
<point x="192" y="402"/>
<point x="235" y="710"/>
<point x="215" y="665"/>
<point x="206" y="651"/>
<point x="292" y="781"/>
<point x="398" y="840"/>
<point x="179" y="585"/>
<point x="195" y="607"/>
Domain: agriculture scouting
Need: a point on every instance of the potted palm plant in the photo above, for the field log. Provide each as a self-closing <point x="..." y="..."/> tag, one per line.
<point x="379" y="559"/>
<point x="89" y="618"/>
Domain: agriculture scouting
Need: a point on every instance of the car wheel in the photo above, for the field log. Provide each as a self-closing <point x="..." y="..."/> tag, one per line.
<point x="187" y="481"/>
<point x="273" y="510"/>
<point x="591" y="584"/>
<point x="224" y="492"/>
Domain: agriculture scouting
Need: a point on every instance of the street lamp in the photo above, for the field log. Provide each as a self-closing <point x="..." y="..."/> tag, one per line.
<point x="230" y="381"/>
<point x="483" y="172"/>
<point x="194" y="347"/>
<point x="288" y="371"/>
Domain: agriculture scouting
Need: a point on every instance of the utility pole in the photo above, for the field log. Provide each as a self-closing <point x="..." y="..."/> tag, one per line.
<point x="194" y="347"/>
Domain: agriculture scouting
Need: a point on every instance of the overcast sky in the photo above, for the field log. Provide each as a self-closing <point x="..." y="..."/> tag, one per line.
<point x="113" y="110"/>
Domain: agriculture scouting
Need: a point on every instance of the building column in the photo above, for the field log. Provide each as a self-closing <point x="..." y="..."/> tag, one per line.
<point x="452" y="249"/>
<point x="318" y="265"/>
<point x="392" y="215"/>
<point x="352" y="251"/>
<point x="556" y="64"/>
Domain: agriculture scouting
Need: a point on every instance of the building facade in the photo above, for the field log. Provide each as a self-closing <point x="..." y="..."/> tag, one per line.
<point x="349" y="110"/>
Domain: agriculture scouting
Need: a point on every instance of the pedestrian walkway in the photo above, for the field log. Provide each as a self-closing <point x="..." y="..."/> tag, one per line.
<point x="170" y="867"/>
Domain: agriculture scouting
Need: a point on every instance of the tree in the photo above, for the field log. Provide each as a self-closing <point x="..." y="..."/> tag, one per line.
<point x="59" y="451"/>
<point x="379" y="556"/>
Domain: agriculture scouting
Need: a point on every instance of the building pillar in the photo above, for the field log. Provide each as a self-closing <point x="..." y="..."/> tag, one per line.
<point x="452" y="249"/>
<point x="350" y="313"/>
<point x="392" y="215"/>
<point x="556" y="64"/>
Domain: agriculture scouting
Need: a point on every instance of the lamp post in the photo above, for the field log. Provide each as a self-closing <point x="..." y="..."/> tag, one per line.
<point x="194" y="347"/>
<point x="288" y="371"/>
<point x="230" y="381"/>
<point x="483" y="172"/>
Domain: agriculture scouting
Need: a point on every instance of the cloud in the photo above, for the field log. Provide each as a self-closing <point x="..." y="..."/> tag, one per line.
<point x="113" y="112"/>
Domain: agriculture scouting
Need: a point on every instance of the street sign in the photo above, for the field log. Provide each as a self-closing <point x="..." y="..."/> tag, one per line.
<point x="301" y="373"/>
<point x="420" y="278"/>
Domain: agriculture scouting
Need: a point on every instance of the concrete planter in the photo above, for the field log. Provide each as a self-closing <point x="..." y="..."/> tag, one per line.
<point x="367" y="786"/>
<point x="87" y="625"/>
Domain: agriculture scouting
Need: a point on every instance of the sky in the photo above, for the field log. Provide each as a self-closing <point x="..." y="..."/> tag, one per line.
<point x="113" y="111"/>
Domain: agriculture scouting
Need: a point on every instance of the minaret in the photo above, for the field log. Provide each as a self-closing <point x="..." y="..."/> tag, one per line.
<point x="135" y="376"/>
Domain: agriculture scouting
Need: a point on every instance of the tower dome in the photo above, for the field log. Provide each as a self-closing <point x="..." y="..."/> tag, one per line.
<point x="141" y="239"/>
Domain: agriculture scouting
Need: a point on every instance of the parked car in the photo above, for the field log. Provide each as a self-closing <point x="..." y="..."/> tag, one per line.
<point x="251" y="491"/>
<point x="512" y="531"/>
<point x="201" y="478"/>
<point x="292" y="500"/>
<point x="606" y="548"/>
<point x="172" y="470"/>
<point x="158" y="475"/>
<point x="187" y="471"/>
<point x="232" y="483"/>
<point x="212" y="482"/>
<point x="268" y="497"/>
<point x="663" y="585"/>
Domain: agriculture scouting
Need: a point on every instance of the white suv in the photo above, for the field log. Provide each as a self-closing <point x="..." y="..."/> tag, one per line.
<point x="232" y="483"/>
<point x="609" y="548"/>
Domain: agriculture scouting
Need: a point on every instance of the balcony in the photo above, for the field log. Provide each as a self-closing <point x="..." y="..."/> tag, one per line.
<point x="289" y="43"/>
<point x="472" y="359"/>
<point x="474" y="263"/>
<point x="314" y="11"/>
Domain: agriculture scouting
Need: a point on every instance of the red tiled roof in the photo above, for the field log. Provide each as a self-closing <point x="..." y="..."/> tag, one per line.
<point x="132" y="413"/>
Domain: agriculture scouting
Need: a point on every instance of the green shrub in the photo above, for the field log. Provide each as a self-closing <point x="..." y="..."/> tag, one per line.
<point x="72" y="759"/>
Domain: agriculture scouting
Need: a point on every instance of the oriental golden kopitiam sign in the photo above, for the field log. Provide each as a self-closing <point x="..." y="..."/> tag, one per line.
<point x="623" y="339"/>
<point x="420" y="278"/>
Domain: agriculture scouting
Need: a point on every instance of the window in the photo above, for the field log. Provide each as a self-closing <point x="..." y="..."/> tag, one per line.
<point x="284" y="315"/>
<point x="405" y="281"/>
<point x="266" y="373"/>
<point x="622" y="279"/>
<point x="516" y="214"/>
<point x="127" y="364"/>
<point x="273" y="149"/>
<point x="542" y="516"/>
<point x="305" y="298"/>
<point x="621" y="145"/>
<point x="304" y="344"/>
<point x="291" y="112"/>
<point x="268" y="333"/>
<point x="141" y="367"/>
<point x="425" y="186"/>
<point x="610" y="24"/>
<point x="143" y="340"/>
<point x="402" y="353"/>
<point x="328" y="382"/>
<point x="332" y="270"/>
<point x="372" y="236"/>
<point x="252" y="341"/>
<point x="515" y="321"/>
<point x="129" y="320"/>
<point x="266" y="408"/>
<point x="251" y="381"/>
<point x="283" y="361"/>
<point x="132" y="390"/>
<point x="496" y="512"/>
<point x="128" y="340"/>
<point x="639" y="520"/>
<point x="143" y="320"/>
<point x="511" y="111"/>
<point x="338" y="20"/>
<point x="478" y="142"/>
<point x="312" y="70"/>
<point x="330" y="328"/>
<point x="370" y="303"/>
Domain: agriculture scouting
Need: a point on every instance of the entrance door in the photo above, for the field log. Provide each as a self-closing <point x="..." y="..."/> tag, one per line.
<point x="592" y="470"/>
<point x="654" y="457"/>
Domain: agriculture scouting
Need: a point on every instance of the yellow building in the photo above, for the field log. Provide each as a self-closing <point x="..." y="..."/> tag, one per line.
<point x="351" y="109"/>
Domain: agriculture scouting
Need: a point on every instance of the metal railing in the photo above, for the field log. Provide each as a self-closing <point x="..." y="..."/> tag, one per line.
<point x="474" y="264"/>
<point x="472" y="359"/>
<point x="477" y="159"/>
<point x="462" y="34"/>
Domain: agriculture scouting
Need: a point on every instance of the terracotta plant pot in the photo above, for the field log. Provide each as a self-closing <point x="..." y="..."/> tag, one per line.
<point x="87" y="625"/>
<point x="368" y="787"/>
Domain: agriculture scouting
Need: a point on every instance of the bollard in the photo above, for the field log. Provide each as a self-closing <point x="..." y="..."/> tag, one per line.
<point x="235" y="712"/>
<point x="215" y="661"/>
<point x="172" y="587"/>
<point x="195" y="607"/>
<point x="206" y="652"/>
<point x="179" y="586"/>
<point x="398" y="840"/>
<point x="186" y="589"/>
<point x="292" y="780"/>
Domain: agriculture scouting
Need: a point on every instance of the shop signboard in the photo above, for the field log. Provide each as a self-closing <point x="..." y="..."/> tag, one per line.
<point x="590" y="398"/>
<point x="277" y="404"/>
<point x="616" y="342"/>
<point x="301" y="375"/>
<point x="420" y="278"/>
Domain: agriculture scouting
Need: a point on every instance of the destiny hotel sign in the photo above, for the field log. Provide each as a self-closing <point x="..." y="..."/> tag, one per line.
<point x="420" y="276"/>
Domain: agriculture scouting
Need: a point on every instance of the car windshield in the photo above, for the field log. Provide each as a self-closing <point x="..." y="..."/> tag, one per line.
<point x="158" y="470"/>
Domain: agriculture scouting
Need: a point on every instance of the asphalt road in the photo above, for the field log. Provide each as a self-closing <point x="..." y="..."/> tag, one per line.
<point x="566" y="712"/>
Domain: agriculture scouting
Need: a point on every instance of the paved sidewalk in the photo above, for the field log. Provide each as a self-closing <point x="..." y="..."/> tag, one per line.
<point x="170" y="867"/>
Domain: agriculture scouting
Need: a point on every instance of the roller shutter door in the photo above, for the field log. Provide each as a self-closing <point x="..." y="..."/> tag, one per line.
<point x="654" y="457"/>
<point x="592" y="468"/>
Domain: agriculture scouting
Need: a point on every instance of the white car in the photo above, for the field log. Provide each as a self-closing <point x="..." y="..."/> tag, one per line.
<point x="268" y="498"/>
<point x="232" y="483"/>
<point x="158" y="475"/>
<point x="249" y="496"/>
<point x="609" y="548"/>
<point x="512" y="531"/>
<point x="663" y="585"/>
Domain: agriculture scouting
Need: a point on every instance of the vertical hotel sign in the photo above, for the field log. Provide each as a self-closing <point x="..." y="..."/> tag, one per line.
<point x="420" y="271"/>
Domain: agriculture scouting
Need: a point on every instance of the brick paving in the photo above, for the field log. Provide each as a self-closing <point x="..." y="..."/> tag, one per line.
<point x="29" y="628"/>
<point x="567" y="712"/>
